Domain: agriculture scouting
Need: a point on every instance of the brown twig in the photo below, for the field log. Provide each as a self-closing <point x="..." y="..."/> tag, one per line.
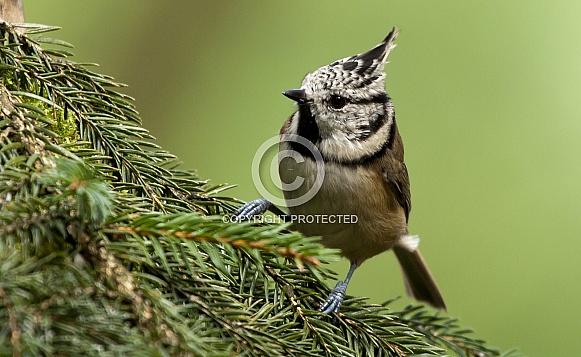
<point x="238" y="243"/>
<point x="11" y="11"/>
<point x="12" y="323"/>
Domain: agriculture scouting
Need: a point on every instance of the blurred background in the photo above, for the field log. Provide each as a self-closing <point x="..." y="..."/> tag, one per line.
<point x="488" y="101"/>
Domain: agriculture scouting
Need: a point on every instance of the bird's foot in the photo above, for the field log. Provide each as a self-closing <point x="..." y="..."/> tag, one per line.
<point x="335" y="299"/>
<point x="251" y="209"/>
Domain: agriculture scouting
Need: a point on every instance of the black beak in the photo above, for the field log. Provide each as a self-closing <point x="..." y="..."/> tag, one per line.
<point x="298" y="95"/>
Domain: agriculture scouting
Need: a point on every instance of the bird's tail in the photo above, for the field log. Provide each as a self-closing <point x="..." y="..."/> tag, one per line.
<point x="419" y="282"/>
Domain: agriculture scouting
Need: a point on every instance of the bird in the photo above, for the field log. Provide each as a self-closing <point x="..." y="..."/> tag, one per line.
<point x="354" y="157"/>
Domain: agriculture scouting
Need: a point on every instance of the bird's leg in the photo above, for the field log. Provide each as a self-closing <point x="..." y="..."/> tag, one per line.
<point x="336" y="297"/>
<point x="256" y="207"/>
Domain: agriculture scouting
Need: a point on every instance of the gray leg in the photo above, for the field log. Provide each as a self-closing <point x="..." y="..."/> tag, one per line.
<point x="336" y="297"/>
<point x="257" y="207"/>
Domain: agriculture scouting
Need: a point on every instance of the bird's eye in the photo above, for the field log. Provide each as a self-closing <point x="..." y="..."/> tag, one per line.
<point x="337" y="102"/>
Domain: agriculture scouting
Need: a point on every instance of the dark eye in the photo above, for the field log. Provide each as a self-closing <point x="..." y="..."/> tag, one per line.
<point x="337" y="102"/>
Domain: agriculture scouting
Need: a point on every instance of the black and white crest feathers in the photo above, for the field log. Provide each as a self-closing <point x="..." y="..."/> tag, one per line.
<point x="366" y="68"/>
<point x="370" y="61"/>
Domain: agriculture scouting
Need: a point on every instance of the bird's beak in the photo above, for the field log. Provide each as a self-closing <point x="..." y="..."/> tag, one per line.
<point x="298" y="95"/>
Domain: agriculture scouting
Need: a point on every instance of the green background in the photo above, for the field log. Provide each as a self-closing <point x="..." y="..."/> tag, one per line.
<point x="488" y="101"/>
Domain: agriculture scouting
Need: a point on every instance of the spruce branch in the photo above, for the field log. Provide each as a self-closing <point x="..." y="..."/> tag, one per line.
<point x="260" y="245"/>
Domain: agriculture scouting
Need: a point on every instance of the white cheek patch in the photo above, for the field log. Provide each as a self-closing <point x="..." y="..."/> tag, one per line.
<point x="340" y="147"/>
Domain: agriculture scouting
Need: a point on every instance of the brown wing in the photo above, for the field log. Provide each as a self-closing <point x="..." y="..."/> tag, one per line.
<point x="396" y="177"/>
<point x="395" y="173"/>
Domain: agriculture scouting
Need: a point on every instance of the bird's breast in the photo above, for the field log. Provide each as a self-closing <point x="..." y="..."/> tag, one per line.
<point x="352" y="210"/>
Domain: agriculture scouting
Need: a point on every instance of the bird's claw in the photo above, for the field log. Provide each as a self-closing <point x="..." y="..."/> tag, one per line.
<point x="335" y="299"/>
<point x="251" y="209"/>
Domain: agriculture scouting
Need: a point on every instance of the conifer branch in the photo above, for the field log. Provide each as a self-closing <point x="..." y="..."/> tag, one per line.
<point x="261" y="245"/>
